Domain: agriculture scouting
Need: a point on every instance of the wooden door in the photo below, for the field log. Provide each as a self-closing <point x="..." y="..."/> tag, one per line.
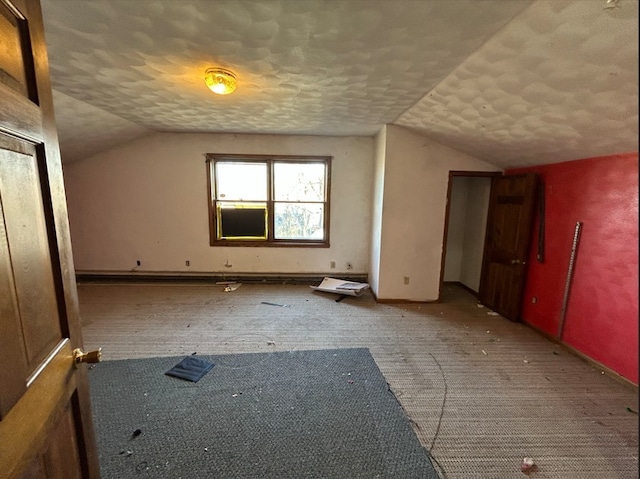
<point x="45" y="418"/>
<point x="504" y="264"/>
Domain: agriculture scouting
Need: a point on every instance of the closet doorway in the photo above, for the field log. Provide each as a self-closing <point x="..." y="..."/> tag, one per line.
<point x="465" y="229"/>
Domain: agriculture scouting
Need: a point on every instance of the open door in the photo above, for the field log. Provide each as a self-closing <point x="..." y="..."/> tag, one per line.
<point x="504" y="264"/>
<point x="45" y="418"/>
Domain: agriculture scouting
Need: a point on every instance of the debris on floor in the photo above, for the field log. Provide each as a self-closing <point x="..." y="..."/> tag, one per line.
<point x="231" y="287"/>
<point x="275" y="304"/>
<point x="136" y="433"/>
<point x="492" y="313"/>
<point x="528" y="466"/>
<point x="479" y="305"/>
<point x="271" y="343"/>
<point x="341" y="286"/>
<point x="190" y="368"/>
<point x="631" y="410"/>
<point x="484" y="352"/>
<point x="126" y="453"/>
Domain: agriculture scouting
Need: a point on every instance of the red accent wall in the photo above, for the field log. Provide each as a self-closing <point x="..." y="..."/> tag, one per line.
<point x="602" y="313"/>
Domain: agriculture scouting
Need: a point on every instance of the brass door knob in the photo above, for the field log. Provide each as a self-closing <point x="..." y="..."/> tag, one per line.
<point x="79" y="356"/>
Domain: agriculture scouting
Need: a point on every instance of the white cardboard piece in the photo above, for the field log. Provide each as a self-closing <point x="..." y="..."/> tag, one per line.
<point x="341" y="286"/>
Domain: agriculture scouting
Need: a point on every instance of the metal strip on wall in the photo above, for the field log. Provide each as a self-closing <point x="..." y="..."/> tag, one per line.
<point x="567" y="285"/>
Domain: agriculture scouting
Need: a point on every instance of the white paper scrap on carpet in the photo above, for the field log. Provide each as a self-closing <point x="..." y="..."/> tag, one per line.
<point x="340" y="286"/>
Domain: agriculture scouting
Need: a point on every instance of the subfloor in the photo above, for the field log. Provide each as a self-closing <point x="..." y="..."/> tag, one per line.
<point x="482" y="392"/>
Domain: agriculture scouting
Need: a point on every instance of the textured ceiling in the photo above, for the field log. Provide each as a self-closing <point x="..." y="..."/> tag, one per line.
<point x="559" y="82"/>
<point x="513" y="82"/>
<point x="84" y="129"/>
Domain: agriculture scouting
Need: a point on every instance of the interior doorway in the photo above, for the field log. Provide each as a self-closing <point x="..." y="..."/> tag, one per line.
<point x="465" y="229"/>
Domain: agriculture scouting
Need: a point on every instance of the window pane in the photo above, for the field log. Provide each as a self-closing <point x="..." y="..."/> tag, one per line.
<point x="241" y="181"/>
<point x="237" y="220"/>
<point x="299" y="221"/>
<point x="298" y="181"/>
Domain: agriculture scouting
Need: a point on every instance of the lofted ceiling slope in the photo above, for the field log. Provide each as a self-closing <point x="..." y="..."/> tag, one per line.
<point x="514" y="83"/>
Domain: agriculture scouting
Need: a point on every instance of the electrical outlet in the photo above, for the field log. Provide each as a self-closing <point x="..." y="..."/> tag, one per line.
<point x="138" y="263"/>
<point x="534" y="299"/>
<point x="187" y="263"/>
<point x="406" y="280"/>
<point x="332" y="264"/>
<point x="349" y="266"/>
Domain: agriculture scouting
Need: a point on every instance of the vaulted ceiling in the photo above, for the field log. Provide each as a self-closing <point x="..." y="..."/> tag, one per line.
<point x="512" y="82"/>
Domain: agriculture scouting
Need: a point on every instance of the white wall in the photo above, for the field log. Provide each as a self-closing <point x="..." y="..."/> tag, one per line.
<point x="455" y="233"/>
<point x="380" y="142"/>
<point x="478" y="195"/>
<point x="147" y="200"/>
<point x="414" y="204"/>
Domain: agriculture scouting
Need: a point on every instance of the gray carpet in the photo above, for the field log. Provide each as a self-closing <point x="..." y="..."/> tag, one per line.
<point x="300" y="414"/>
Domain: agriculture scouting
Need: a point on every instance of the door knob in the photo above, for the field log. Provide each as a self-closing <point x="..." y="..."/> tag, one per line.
<point x="79" y="356"/>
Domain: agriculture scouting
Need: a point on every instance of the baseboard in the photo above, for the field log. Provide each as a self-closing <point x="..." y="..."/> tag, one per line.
<point x="402" y="301"/>
<point x="398" y="301"/>
<point x="168" y="276"/>
<point x="592" y="362"/>
<point x="431" y="301"/>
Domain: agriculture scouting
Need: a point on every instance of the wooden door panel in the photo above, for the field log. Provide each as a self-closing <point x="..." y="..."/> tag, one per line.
<point x="46" y="429"/>
<point x="20" y="114"/>
<point x="36" y="469"/>
<point x="507" y="243"/>
<point x="12" y="67"/>
<point x="12" y="351"/>
<point x="26" y="430"/>
<point x="502" y="283"/>
<point x="26" y="233"/>
<point x="61" y="458"/>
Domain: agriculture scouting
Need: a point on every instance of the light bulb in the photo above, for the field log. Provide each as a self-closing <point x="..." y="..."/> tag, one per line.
<point x="220" y="81"/>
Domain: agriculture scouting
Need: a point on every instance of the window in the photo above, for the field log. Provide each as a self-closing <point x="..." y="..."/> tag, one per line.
<point x="268" y="200"/>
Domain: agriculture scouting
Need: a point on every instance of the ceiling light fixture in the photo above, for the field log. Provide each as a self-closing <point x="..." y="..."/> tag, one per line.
<point x="220" y="81"/>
